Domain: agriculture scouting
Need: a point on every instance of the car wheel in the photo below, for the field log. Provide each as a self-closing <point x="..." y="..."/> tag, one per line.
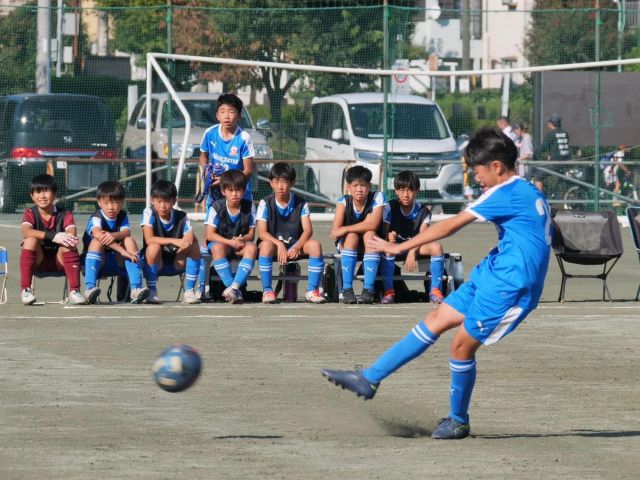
<point x="7" y="203"/>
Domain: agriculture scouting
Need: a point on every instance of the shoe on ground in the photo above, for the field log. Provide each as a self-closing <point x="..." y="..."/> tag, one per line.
<point x="435" y="296"/>
<point x="92" y="294"/>
<point x="367" y="297"/>
<point x="76" y="298"/>
<point x="27" y="296"/>
<point x="190" y="297"/>
<point x="348" y="297"/>
<point x="232" y="295"/>
<point x="153" y="298"/>
<point x="139" y="295"/>
<point x="352" y="380"/>
<point x="451" y="429"/>
<point x="269" y="297"/>
<point x="314" y="296"/>
<point x="389" y="297"/>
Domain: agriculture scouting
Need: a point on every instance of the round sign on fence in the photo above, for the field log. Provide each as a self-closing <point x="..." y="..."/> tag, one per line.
<point x="400" y="77"/>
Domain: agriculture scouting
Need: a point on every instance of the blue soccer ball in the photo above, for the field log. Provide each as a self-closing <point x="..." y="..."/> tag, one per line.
<point x="177" y="368"/>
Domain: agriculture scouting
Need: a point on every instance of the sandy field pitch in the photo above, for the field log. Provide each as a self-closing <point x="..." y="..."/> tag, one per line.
<point x="559" y="398"/>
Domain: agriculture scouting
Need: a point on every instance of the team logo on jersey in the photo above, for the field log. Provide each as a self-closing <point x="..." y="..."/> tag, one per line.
<point x="234" y="150"/>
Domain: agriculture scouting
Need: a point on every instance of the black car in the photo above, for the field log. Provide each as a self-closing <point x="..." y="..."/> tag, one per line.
<point x="69" y="136"/>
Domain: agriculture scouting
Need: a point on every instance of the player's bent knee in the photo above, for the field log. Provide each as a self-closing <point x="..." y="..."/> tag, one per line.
<point x="250" y="250"/>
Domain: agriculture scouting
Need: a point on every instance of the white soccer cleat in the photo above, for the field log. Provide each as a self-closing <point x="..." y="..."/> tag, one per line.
<point x="153" y="298"/>
<point x="139" y="295"/>
<point x="232" y="295"/>
<point x="27" y="296"/>
<point x="91" y="295"/>
<point x="76" y="298"/>
<point x="190" y="297"/>
<point x="314" y="296"/>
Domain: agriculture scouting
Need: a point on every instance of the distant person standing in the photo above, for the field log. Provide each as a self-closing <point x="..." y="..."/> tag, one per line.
<point x="524" y="142"/>
<point x="504" y="125"/>
<point x="555" y="145"/>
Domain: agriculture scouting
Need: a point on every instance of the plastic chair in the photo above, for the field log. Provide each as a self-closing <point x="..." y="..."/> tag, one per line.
<point x="4" y="274"/>
<point x="633" y="214"/>
<point x="586" y="238"/>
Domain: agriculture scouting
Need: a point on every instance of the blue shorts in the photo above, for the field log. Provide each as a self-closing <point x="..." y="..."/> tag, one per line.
<point x="485" y="318"/>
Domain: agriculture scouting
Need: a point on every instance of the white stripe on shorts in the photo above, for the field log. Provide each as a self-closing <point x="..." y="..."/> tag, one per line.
<point x="511" y="316"/>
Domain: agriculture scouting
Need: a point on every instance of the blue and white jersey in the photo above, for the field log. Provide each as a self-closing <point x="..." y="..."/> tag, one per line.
<point x="415" y="211"/>
<point x="379" y="200"/>
<point x="97" y="222"/>
<point x="285" y="210"/>
<point x="514" y="271"/>
<point x="213" y="219"/>
<point x="230" y="154"/>
<point x="149" y="219"/>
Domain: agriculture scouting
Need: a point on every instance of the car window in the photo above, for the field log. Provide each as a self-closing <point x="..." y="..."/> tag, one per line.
<point x="7" y="109"/>
<point x="143" y="109"/>
<point x="405" y="121"/>
<point x="136" y="111"/>
<point x="202" y="113"/>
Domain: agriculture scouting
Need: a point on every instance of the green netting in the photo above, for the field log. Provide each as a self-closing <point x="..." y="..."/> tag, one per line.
<point x="104" y="56"/>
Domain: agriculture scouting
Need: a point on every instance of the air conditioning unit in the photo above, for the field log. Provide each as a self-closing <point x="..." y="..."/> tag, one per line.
<point x="510" y="3"/>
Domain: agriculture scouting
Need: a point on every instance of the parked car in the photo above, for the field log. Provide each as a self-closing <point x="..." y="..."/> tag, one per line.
<point x="41" y="133"/>
<point x="202" y="109"/>
<point x="350" y="127"/>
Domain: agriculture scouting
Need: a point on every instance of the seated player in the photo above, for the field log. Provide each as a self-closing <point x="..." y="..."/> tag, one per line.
<point x="285" y="230"/>
<point x="108" y="244"/>
<point x="50" y="242"/>
<point x="405" y="218"/>
<point x="169" y="245"/>
<point x="502" y="289"/>
<point x="229" y="231"/>
<point x="358" y="216"/>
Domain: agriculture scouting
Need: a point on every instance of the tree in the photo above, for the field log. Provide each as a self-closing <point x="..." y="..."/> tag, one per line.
<point x="564" y="31"/>
<point x="17" y="51"/>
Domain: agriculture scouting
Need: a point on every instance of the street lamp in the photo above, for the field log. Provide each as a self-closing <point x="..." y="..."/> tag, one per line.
<point x="621" y="6"/>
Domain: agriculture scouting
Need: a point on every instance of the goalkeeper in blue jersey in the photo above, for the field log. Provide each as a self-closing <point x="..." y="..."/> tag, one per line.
<point x="502" y="289"/>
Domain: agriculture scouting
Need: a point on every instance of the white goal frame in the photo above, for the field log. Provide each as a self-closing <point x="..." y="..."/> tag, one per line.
<point x="153" y="65"/>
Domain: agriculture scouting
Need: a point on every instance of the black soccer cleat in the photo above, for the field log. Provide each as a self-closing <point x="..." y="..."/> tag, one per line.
<point x="367" y="297"/>
<point x="451" y="429"/>
<point x="348" y="297"/>
<point x="352" y="380"/>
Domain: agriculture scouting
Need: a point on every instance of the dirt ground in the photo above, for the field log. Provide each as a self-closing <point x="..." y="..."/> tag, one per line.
<point x="556" y="399"/>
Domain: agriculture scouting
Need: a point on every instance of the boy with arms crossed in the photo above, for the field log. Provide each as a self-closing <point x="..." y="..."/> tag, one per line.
<point x="108" y="243"/>
<point x="285" y="230"/>
<point x="405" y="218"/>
<point x="168" y="242"/>
<point x="503" y="288"/>
<point x="230" y="228"/>
<point x="358" y="216"/>
<point x="49" y="241"/>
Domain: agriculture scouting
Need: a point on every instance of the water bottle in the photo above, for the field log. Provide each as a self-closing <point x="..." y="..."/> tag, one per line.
<point x="291" y="286"/>
<point x="458" y="271"/>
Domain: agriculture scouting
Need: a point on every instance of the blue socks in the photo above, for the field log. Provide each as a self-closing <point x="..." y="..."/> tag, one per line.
<point x="348" y="260"/>
<point x="437" y="270"/>
<point x="244" y="270"/>
<point x="205" y="264"/>
<point x="414" y="344"/>
<point x="463" y="379"/>
<point x="316" y="265"/>
<point x="265" y="265"/>
<point x="370" y="265"/>
<point x="223" y="268"/>
<point x="192" y="269"/>
<point x="134" y="272"/>
<point x="151" y="275"/>
<point x="387" y="267"/>
<point x="92" y="265"/>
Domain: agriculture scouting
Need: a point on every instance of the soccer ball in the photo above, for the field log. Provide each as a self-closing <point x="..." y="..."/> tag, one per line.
<point x="177" y="368"/>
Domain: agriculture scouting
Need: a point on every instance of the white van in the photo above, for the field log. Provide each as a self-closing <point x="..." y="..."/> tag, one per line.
<point x="350" y="127"/>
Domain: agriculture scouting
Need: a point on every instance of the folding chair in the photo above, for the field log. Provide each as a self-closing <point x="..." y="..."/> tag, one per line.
<point x="586" y="238"/>
<point x="4" y="274"/>
<point x="633" y="214"/>
<point x="42" y="275"/>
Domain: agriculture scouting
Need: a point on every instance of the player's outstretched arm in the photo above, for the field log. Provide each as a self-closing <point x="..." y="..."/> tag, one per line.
<point x="435" y="232"/>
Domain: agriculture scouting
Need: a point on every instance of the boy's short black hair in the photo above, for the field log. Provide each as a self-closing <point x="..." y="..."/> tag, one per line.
<point x="358" y="172"/>
<point x="489" y="144"/>
<point x="110" y="189"/>
<point x="164" y="190"/>
<point x="282" y="170"/>
<point x="43" y="182"/>
<point x="233" y="180"/>
<point x="229" y="99"/>
<point x="406" y="179"/>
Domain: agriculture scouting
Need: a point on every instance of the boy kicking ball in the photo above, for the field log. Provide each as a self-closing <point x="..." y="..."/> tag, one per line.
<point x="503" y="288"/>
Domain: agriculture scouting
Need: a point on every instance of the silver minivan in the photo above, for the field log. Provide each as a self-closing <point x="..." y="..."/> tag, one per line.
<point x="349" y="127"/>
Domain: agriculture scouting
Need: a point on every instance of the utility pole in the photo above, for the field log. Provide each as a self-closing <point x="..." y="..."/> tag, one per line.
<point x="43" y="50"/>
<point x="465" y="23"/>
<point x="59" y="39"/>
